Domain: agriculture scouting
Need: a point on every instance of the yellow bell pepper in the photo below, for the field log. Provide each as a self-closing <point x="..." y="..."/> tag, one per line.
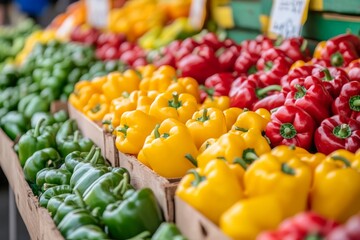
<point x="248" y="217"/>
<point x="134" y="127"/>
<point x="264" y="113"/>
<point x="220" y="102"/>
<point x="160" y="80"/>
<point x="167" y="148"/>
<point x="80" y="97"/>
<point x="97" y="107"/>
<point x="106" y="122"/>
<point x="211" y="190"/>
<point x="319" y="47"/>
<point x="144" y="101"/>
<point x="289" y="179"/>
<point x="98" y="82"/>
<point x="185" y="85"/>
<point x="206" y="123"/>
<point x="228" y="147"/>
<point x="336" y="189"/>
<point x="250" y="120"/>
<point x="172" y="105"/>
<point x="231" y="114"/>
<point x="117" y="83"/>
<point x="207" y="144"/>
<point x="147" y="70"/>
<point x="127" y="102"/>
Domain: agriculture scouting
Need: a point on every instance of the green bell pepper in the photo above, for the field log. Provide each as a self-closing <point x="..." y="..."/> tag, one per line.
<point x="88" y="232"/>
<point x="67" y="129"/>
<point x="137" y="213"/>
<point x="74" y="220"/>
<point x="55" y="202"/>
<point x="74" y="158"/>
<point x="167" y="231"/>
<point x="32" y="104"/>
<point x="52" y="192"/>
<point x="52" y="177"/>
<point x="71" y="203"/>
<point x="75" y="143"/>
<point x="41" y="159"/>
<point x="89" y="177"/>
<point x="33" y="141"/>
<point x="60" y="116"/>
<point x="49" y="119"/>
<point x="13" y="124"/>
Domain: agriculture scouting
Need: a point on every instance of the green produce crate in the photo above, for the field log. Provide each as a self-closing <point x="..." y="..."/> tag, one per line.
<point x="338" y="6"/>
<point x="246" y="13"/>
<point x="239" y="35"/>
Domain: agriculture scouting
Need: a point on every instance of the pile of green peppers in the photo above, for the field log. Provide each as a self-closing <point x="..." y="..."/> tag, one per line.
<point x="48" y="74"/>
<point x="87" y="198"/>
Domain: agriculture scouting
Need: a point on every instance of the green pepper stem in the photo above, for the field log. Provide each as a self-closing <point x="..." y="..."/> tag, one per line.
<point x="287" y="130"/>
<point x="95" y="157"/>
<point x="285" y="168"/>
<point x="354" y="103"/>
<point x="337" y="59"/>
<point x="76" y="136"/>
<point x="304" y="46"/>
<point x="204" y="116"/>
<point x="121" y="188"/>
<point x="191" y="159"/>
<point x="301" y="91"/>
<point x="81" y="200"/>
<point x="268" y="66"/>
<point x="241" y="162"/>
<point x="123" y="130"/>
<point x="249" y="155"/>
<point x="342" y="131"/>
<point x="156" y="131"/>
<point x="260" y="93"/>
<point x="141" y="236"/>
<point x="175" y="102"/>
<point x="313" y="236"/>
<point x="252" y="70"/>
<point x="241" y="129"/>
<point x="37" y="127"/>
<point x="292" y="147"/>
<point x="90" y="154"/>
<point x="209" y="91"/>
<point x="342" y="159"/>
<point x="198" y="178"/>
<point x="125" y="94"/>
<point x="327" y="76"/>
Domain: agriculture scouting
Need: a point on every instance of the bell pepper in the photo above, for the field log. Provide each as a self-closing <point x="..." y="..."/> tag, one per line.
<point x="257" y="45"/>
<point x="67" y="129"/>
<point x="307" y="93"/>
<point x="273" y="175"/>
<point x="185" y="85"/>
<point x="318" y="49"/>
<point x="200" y="64"/>
<point x="88" y="178"/>
<point x="228" y="147"/>
<point x="117" y="83"/>
<point x="173" y="105"/>
<point x="32" y="104"/>
<point x="207" y="144"/>
<point x="231" y="114"/>
<point x="227" y="57"/>
<point x="127" y="102"/>
<point x="218" y="84"/>
<point x="55" y="202"/>
<point x="338" y="173"/>
<point x="160" y="80"/>
<point x="245" y="64"/>
<point x="348" y="102"/>
<point x="167" y="231"/>
<point x="332" y="79"/>
<point x="46" y="157"/>
<point x="71" y="203"/>
<point x="74" y="220"/>
<point x="349" y="230"/>
<point x="109" y="188"/>
<point x="33" y="141"/>
<point x="338" y="132"/>
<point x="14" y="124"/>
<point x="221" y="102"/>
<point x="96" y="108"/>
<point x="170" y="137"/>
<point x="296" y="48"/>
<point x="197" y="189"/>
<point x="90" y="232"/>
<point x="48" y="119"/>
<point x="341" y="50"/>
<point x="250" y="120"/>
<point x="299" y="72"/>
<point x="138" y="212"/>
<point x="52" y="192"/>
<point x="52" y="177"/>
<point x="206" y="123"/>
<point x="306" y="225"/>
<point x="76" y="157"/>
<point x="248" y="217"/>
<point x="290" y="125"/>
<point x="353" y="70"/>
<point x="270" y="102"/>
<point x="82" y="93"/>
<point x="273" y="64"/>
<point x="134" y="127"/>
<point x="75" y="143"/>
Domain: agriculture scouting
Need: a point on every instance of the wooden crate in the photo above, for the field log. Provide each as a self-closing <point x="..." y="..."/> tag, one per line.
<point x="143" y="177"/>
<point x="111" y="152"/>
<point x="194" y="225"/>
<point x="37" y="219"/>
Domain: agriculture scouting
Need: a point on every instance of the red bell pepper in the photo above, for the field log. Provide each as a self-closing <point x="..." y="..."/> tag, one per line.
<point x="271" y="102"/>
<point x="227" y="57"/>
<point x="309" y="95"/>
<point x="348" y="231"/>
<point x="332" y="79"/>
<point x="112" y="39"/>
<point x="306" y="225"/>
<point x="257" y="45"/>
<point x="200" y="64"/>
<point x="338" y="132"/>
<point x="299" y="72"/>
<point x="296" y="49"/>
<point x="186" y="48"/>
<point x="354" y="70"/>
<point x="85" y="34"/>
<point x="348" y="102"/>
<point x="218" y="84"/>
<point x="273" y="65"/>
<point x="245" y="92"/>
<point x="211" y="40"/>
<point x="246" y="63"/>
<point x="290" y="125"/>
<point x="341" y="50"/>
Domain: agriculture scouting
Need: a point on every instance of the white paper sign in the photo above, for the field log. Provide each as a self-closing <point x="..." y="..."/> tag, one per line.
<point x="286" y="17"/>
<point x="197" y="13"/>
<point x="98" y="12"/>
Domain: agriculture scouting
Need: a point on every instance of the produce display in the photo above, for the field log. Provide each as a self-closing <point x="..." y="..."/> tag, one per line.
<point x="261" y="139"/>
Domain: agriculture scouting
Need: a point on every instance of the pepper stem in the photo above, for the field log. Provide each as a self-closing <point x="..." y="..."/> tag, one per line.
<point x="354" y="103"/>
<point x="342" y="131"/>
<point x="76" y="136"/>
<point x="301" y="91"/>
<point x="287" y="130"/>
<point x="241" y="129"/>
<point x="327" y="76"/>
<point x="337" y="59"/>
<point x="123" y="130"/>
<point x="313" y="236"/>
<point x="209" y="91"/>
<point x="249" y="155"/>
<point x="96" y="108"/>
<point x="252" y="70"/>
<point x="304" y="45"/>
<point x="125" y="94"/>
<point x="141" y="236"/>
<point x="268" y="66"/>
<point x="191" y="159"/>
<point x="342" y="159"/>
<point x="95" y="157"/>
<point x="175" y="103"/>
<point x="285" y="168"/>
<point x="37" y="127"/>
<point x="90" y="154"/>
<point x="198" y="178"/>
<point x="156" y="131"/>
<point x="204" y="116"/>
<point x="81" y="200"/>
<point x="241" y="162"/>
<point x="121" y="188"/>
<point x="262" y="92"/>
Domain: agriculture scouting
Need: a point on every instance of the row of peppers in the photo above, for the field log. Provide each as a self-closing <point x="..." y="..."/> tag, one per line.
<point x="86" y="198"/>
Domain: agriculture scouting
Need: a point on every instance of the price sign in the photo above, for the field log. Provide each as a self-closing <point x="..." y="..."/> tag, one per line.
<point x="288" y="17"/>
<point x="97" y="12"/>
<point x="197" y="13"/>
